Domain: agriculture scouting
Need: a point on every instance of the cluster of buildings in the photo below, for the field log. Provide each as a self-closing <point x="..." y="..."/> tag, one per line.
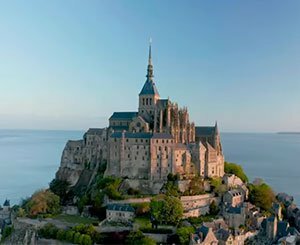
<point x="148" y="144"/>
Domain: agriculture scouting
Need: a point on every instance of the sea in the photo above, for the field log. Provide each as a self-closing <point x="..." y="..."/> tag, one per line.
<point x="30" y="158"/>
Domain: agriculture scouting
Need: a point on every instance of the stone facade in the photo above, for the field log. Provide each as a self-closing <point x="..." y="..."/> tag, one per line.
<point x="233" y="198"/>
<point x="147" y="144"/>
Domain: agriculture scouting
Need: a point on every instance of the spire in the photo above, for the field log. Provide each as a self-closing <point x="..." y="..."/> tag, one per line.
<point x="150" y="66"/>
<point x="216" y="128"/>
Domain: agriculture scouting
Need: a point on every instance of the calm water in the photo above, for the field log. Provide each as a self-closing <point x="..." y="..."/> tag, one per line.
<point x="29" y="159"/>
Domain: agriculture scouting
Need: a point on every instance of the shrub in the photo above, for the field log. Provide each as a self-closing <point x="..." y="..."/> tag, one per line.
<point x="48" y="231"/>
<point x="85" y="240"/>
<point x="77" y="236"/>
<point x="61" y="235"/>
<point x="70" y="235"/>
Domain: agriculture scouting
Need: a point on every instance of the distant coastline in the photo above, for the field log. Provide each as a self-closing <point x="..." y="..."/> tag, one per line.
<point x="288" y="133"/>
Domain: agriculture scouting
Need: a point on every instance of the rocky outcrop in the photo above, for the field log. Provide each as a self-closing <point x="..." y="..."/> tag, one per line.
<point x="81" y="159"/>
<point x="25" y="232"/>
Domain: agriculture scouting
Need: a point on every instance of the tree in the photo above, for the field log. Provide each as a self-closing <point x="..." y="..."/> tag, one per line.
<point x="61" y="235"/>
<point x="172" y="189"/>
<point x="166" y="209"/>
<point x="261" y="195"/>
<point x="232" y="168"/>
<point x="60" y="188"/>
<point x="184" y="233"/>
<point x="213" y="208"/>
<point x="43" y="202"/>
<point x="196" y="186"/>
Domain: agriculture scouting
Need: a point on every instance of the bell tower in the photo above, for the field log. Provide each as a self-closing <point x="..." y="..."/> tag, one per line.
<point x="149" y="94"/>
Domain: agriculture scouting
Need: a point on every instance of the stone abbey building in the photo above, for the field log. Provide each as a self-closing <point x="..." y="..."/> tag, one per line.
<point x="149" y="143"/>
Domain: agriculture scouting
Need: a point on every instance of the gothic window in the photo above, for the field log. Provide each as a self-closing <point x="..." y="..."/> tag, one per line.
<point x="128" y="155"/>
<point x="166" y="148"/>
<point x="142" y="140"/>
<point x="143" y="158"/>
<point x="115" y="140"/>
<point x="156" y="141"/>
<point x="147" y="101"/>
<point x="137" y="147"/>
<point x="167" y="141"/>
<point x="150" y="101"/>
<point x="163" y="141"/>
<point x="143" y="101"/>
<point x="126" y="140"/>
<point x="159" y="148"/>
<point x="136" y="140"/>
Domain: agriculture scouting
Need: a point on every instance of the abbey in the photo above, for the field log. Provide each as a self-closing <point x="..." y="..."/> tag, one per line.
<point x="159" y="139"/>
<point x="147" y="144"/>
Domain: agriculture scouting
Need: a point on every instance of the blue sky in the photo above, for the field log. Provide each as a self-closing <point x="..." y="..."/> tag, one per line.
<point x="70" y="64"/>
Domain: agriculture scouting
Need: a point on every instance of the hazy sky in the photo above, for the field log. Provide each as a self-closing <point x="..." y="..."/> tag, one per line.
<point x="70" y="64"/>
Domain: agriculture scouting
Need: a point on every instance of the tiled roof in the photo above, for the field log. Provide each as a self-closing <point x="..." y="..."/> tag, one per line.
<point x="120" y="207"/>
<point x="123" y="115"/>
<point x="204" y="131"/>
<point x="149" y="88"/>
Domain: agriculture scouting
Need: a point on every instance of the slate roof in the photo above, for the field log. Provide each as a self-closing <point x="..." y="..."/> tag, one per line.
<point x="204" y="131"/>
<point x="120" y="207"/>
<point x="97" y="131"/>
<point x="203" y="230"/>
<point x="123" y="115"/>
<point x="142" y="135"/>
<point x="235" y="210"/>
<point x="6" y="203"/>
<point x="223" y="234"/>
<point x="131" y="135"/>
<point x="162" y="136"/>
<point x="282" y="228"/>
<point x="149" y="88"/>
<point x="119" y="128"/>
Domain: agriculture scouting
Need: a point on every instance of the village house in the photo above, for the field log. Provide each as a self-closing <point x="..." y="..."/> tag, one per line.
<point x="233" y="198"/>
<point x="120" y="212"/>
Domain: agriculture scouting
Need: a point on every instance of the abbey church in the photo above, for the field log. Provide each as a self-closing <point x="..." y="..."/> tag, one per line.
<point x="148" y="144"/>
<point x="159" y="139"/>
